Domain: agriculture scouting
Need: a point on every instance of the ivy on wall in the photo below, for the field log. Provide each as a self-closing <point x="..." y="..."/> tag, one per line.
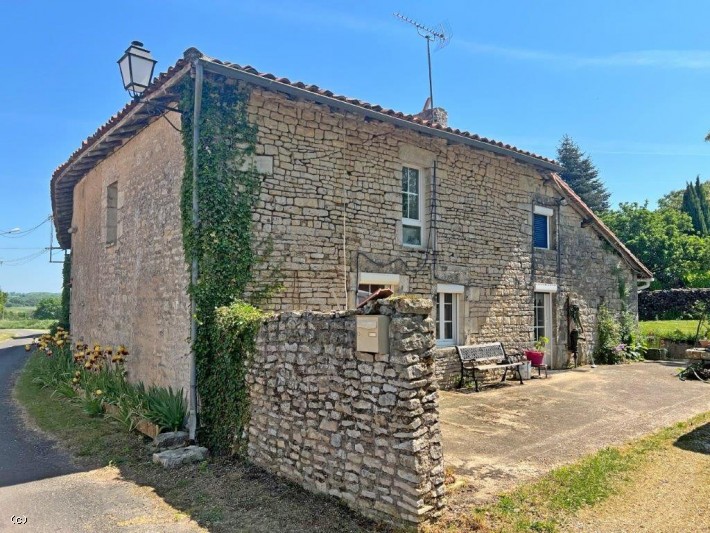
<point x="66" y="292"/>
<point x="224" y="246"/>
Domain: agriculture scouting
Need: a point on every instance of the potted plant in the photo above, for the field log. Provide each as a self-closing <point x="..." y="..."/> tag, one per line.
<point x="537" y="356"/>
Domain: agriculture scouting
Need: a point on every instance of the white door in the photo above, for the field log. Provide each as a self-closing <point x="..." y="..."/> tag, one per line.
<point x="543" y="322"/>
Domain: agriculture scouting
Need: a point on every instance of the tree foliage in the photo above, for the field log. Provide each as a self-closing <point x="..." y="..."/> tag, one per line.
<point x="665" y="241"/>
<point x="48" y="308"/>
<point x="581" y="174"/>
<point x="3" y="301"/>
<point x="695" y="205"/>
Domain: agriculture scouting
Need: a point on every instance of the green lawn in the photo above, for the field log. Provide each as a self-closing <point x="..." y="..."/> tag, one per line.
<point x="676" y="330"/>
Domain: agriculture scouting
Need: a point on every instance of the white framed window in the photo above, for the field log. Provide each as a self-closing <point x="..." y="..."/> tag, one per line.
<point x="370" y="282"/>
<point x="448" y="298"/>
<point x="112" y="213"/>
<point x="412" y="202"/>
<point x="542" y="223"/>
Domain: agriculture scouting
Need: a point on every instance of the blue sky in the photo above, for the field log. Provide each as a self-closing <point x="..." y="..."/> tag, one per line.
<point x="628" y="81"/>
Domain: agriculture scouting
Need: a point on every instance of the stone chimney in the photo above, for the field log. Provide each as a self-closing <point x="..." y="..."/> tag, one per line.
<point x="438" y="115"/>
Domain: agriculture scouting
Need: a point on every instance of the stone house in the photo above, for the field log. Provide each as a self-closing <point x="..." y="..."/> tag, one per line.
<point x="354" y="197"/>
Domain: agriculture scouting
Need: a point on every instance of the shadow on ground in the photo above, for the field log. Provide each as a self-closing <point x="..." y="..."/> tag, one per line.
<point x="697" y="440"/>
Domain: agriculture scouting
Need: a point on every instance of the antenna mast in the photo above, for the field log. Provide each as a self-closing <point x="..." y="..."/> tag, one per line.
<point x="441" y="34"/>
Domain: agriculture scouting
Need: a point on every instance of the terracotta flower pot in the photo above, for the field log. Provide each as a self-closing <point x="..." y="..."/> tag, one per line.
<point x="535" y="358"/>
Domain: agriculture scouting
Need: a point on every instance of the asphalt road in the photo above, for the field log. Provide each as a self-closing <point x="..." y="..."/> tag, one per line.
<point x="26" y="455"/>
<point x="42" y="490"/>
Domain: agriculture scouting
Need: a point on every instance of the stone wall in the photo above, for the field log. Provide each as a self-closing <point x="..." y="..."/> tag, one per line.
<point x="359" y="426"/>
<point x="331" y="175"/>
<point x="133" y="292"/>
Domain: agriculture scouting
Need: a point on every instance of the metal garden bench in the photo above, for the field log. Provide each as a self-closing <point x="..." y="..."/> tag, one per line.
<point x="491" y="356"/>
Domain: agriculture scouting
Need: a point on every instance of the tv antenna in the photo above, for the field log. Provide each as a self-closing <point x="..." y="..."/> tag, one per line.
<point x="441" y="34"/>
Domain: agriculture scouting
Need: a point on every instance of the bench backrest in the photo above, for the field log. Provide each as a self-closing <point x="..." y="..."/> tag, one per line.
<point x="491" y="350"/>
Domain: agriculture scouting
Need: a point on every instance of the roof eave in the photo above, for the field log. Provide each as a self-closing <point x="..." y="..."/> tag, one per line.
<point x="138" y="115"/>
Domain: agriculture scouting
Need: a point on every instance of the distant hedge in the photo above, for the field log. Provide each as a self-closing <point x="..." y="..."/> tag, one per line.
<point x="670" y="304"/>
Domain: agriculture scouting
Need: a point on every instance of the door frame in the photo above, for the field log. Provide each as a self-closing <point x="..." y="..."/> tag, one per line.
<point x="547" y="291"/>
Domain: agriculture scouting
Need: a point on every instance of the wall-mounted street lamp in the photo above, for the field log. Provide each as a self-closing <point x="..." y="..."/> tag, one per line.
<point x="136" y="66"/>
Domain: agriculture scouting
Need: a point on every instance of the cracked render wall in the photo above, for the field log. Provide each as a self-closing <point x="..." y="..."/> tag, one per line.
<point x="362" y="427"/>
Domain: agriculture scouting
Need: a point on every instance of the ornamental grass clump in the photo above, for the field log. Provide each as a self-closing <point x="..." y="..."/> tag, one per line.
<point x="165" y="408"/>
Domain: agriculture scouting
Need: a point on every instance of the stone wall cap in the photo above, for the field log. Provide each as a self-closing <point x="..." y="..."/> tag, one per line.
<point x="412" y="305"/>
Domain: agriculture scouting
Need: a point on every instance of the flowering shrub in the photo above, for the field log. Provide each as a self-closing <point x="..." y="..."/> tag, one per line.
<point x="618" y="339"/>
<point x="96" y="376"/>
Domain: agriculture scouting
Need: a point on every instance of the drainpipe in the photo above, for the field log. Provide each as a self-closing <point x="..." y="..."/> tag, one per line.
<point x="645" y="284"/>
<point x="192" y="418"/>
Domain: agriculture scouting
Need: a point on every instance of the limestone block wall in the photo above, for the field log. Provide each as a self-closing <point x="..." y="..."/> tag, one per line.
<point x="133" y="291"/>
<point x="331" y="204"/>
<point x="362" y="427"/>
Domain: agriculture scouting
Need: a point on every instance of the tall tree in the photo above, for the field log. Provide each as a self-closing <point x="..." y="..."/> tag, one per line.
<point x="703" y="202"/>
<point x="581" y="174"/>
<point x="692" y="207"/>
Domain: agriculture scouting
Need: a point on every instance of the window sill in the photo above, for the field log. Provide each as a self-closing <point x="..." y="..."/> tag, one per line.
<point x="445" y="343"/>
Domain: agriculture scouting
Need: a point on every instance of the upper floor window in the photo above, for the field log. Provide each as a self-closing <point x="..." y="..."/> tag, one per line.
<point x="112" y="213"/>
<point x="411" y="207"/>
<point x="542" y="217"/>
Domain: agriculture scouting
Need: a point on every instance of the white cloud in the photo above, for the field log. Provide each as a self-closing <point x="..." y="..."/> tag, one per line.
<point x="667" y="59"/>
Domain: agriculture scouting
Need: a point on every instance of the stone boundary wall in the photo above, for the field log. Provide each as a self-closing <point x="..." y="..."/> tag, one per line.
<point x="362" y="427"/>
<point x="670" y="304"/>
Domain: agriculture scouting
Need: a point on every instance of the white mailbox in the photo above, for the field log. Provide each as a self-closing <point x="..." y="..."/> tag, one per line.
<point x="373" y="334"/>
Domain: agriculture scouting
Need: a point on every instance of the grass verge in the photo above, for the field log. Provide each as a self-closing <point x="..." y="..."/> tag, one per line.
<point x="547" y="504"/>
<point x="220" y="494"/>
<point x="26" y="323"/>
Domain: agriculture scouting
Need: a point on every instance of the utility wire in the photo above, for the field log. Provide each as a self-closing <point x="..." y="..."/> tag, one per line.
<point x="19" y="261"/>
<point x="24" y="233"/>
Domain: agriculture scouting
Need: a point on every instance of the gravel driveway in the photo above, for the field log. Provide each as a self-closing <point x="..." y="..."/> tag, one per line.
<point x="506" y="435"/>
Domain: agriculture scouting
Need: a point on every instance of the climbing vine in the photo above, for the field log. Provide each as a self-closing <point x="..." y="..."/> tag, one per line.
<point x="224" y="247"/>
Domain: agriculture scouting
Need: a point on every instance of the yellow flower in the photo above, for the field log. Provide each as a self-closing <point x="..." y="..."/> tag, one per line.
<point x="87" y="365"/>
<point x="28" y="347"/>
<point x="75" y="380"/>
<point x="60" y="343"/>
<point x="98" y="392"/>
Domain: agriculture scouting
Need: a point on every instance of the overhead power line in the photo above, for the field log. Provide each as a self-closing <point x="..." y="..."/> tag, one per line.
<point x="19" y="261"/>
<point x="23" y="233"/>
